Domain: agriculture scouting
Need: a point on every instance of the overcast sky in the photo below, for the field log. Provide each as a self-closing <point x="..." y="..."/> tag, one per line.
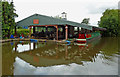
<point x="76" y="10"/>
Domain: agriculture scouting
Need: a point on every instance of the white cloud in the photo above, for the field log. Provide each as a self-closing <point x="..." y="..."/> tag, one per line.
<point x="119" y="5"/>
<point x="100" y="7"/>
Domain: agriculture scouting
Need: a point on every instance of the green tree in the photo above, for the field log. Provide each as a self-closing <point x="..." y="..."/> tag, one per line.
<point x="0" y="20"/>
<point x="85" y="21"/>
<point x="8" y="18"/>
<point x="109" y="20"/>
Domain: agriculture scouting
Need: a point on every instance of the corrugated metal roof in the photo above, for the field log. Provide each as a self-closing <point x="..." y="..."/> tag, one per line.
<point x="46" y="20"/>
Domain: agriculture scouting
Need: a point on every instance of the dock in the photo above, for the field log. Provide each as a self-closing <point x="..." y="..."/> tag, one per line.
<point x="39" y="40"/>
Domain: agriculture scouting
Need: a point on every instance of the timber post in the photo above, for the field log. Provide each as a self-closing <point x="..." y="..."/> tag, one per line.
<point x="56" y="32"/>
<point x="66" y="31"/>
<point x="30" y="32"/>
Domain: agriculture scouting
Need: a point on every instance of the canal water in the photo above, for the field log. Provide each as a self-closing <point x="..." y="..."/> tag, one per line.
<point x="99" y="57"/>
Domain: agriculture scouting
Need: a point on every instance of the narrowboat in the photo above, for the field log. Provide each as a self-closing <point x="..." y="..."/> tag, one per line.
<point x="87" y="37"/>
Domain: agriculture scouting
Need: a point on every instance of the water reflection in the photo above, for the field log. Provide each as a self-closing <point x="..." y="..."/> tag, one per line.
<point x="53" y="70"/>
<point x="22" y="46"/>
<point x="52" y="58"/>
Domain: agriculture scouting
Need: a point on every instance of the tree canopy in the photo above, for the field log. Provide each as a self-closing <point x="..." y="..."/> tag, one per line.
<point x="8" y="18"/>
<point x="109" y="20"/>
<point x="86" y="20"/>
<point x="0" y="20"/>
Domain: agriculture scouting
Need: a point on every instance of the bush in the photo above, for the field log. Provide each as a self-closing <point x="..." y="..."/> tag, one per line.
<point x="25" y="32"/>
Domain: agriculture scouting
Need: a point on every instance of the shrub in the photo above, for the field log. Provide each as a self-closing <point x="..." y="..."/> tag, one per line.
<point x="25" y="32"/>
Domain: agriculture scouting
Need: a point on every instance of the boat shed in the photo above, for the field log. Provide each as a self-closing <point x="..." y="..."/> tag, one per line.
<point x="49" y="27"/>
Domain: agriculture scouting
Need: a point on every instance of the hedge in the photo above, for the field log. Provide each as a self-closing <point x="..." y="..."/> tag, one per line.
<point x="25" y="32"/>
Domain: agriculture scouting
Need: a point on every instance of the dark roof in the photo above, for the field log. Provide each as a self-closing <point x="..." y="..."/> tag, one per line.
<point x="47" y="20"/>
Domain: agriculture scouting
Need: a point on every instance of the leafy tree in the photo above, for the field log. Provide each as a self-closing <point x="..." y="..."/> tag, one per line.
<point x="8" y="18"/>
<point x="109" y="20"/>
<point x="0" y="19"/>
<point x="58" y="17"/>
<point x="85" y="21"/>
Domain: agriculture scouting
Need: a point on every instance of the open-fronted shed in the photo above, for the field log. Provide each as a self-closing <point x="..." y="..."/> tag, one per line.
<point x="66" y="31"/>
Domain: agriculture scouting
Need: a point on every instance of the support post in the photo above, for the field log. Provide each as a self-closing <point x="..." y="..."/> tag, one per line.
<point x="73" y="31"/>
<point x="46" y="31"/>
<point x="63" y="31"/>
<point x="30" y="31"/>
<point x="46" y="28"/>
<point x="78" y="30"/>
<point x="33" y="29"/>
<point x="56" y="32"/>
<point x="82" y="30"/>
<point x="66" y="31"/>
